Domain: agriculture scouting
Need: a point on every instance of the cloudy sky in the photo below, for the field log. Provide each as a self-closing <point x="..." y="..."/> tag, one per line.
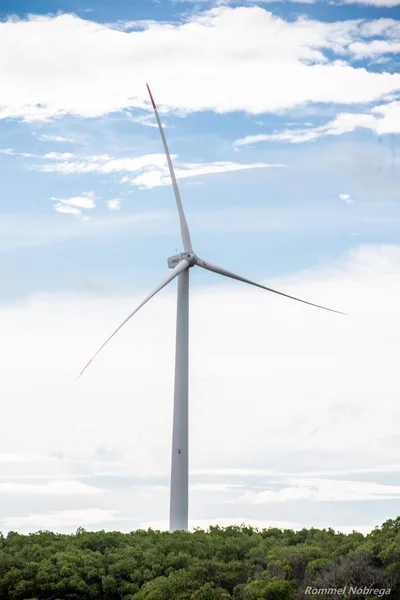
<point x="283" y="121"/>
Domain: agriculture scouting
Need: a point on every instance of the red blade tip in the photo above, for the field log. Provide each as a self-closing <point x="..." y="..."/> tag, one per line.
<point x="151" y="96"/>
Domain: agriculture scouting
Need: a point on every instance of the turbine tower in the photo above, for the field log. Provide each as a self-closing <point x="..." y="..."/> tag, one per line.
<point x="180" y="265"/>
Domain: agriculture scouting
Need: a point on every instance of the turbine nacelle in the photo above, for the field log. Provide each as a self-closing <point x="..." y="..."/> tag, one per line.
<point x="190" y="258"/>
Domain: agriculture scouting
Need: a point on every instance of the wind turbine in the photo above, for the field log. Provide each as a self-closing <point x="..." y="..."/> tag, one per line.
<point x="180" y="265"/>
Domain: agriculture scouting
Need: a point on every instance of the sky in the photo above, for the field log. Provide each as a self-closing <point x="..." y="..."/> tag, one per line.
<point x="282" y="119"/>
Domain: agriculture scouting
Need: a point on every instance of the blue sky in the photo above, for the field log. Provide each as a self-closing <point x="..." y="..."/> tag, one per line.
<point x="283" y="121"/>
<point x="306" y="190"/>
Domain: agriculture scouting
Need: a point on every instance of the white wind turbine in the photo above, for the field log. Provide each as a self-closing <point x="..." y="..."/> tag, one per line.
<point x="180" y="265"/>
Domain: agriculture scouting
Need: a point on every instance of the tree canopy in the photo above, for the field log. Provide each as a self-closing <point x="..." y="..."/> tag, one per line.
<point x="238" y="563"/>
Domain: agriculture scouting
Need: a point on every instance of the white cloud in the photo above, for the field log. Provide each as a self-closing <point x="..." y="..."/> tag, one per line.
<point x="114" y="204"/>
<point x="52" y="138"/>
<point x="58" y="156"/>
<point x="293" y="389"/>
<point x="378" y="3"/>
<point x="84" y="201"/>
<point x="374" y="49"/>
<point x="273" y="473"/>
<point x="347" y="198"/>
<point x="52" y="488"/>
<point x="11" y="152"/>
<point x="152" y="169"/>
<point x="146" y="119"/>
<point x="64" y="518"/>
<point x="214" y="487"/>
<point x="12" y="457"/>
<point x="323" y="490"/>
<point x="343" y="123"/>
<point x="158" y="177"/>
<point x="102" y="164"/>
<point x="388" y="118"/>
<point x="381" y="120"/>
<point x="68" y="210"/>
<point x="73" y="206"/>
<point x="91" y="72"/>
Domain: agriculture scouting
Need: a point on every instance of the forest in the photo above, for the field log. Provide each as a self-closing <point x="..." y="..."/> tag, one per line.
<point x="240" y="563"/>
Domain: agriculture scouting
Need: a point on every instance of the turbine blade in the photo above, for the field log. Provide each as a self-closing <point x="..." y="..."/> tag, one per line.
<point x="182" y="266"/>
<point x="187" y="242"/>
<point x="225" y="273"/>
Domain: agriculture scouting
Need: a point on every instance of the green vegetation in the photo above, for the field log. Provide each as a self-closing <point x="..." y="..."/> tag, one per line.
<point x="240" y="563"/>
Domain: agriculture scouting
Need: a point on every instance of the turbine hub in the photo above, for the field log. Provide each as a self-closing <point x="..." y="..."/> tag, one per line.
<point x="176" y="259"/>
